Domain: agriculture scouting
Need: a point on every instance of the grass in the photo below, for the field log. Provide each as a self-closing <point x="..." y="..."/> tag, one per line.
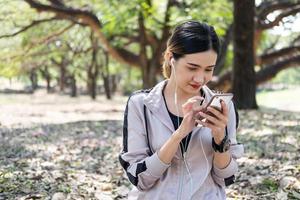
<point x="287" y="99"/>
<point x="271" y="184"/>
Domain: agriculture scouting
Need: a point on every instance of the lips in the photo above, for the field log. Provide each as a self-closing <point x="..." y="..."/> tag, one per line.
<point x="195" y="86"/>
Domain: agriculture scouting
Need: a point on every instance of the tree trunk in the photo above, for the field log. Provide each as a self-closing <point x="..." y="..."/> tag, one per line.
<point x="48" y="82"/>
<point x="223" y="51"/>
<point x="48" y="79"/>
<point x="145" y="76"/>
<point x="93" y="69"/>
<point x="106" y="77"/>
<point x="93" y="88"/>
<point x="46" y="75"/>
<point x="244" y="85"/>
<point x="62" y="78"/>
<point x="33" y="79"/>
<point x="106" y="83"/>
<point x="73" y="86"/>
<point x="115" y="79"/>
<point x="149" y="75"/>
<point x="92" y="83"/>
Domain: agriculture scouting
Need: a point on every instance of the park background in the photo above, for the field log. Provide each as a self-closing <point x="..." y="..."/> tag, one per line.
<point x="68" y="66"/>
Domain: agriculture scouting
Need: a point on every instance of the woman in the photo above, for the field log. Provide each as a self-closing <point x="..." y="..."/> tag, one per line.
<point x="167" y="152"/>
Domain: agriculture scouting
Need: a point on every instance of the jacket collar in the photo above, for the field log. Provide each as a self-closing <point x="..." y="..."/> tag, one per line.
<point x="154" y="101"/>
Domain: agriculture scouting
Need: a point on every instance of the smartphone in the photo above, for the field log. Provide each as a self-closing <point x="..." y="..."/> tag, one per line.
<point x="215" y="101"/>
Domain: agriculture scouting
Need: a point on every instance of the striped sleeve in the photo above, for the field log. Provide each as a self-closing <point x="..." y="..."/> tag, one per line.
<point x="142" y="168"/>
<point x="225" y="177"/>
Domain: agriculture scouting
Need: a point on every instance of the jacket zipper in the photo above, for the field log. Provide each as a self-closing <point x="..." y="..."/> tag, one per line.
<point x="184" y="156"/>
<point x="181" y="180"/>
<point x="182" y="165"/>
<point x="181" y="172"/>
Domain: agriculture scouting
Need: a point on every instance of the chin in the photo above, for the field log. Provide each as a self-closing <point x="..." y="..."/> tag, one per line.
<point x="192" y="92"/>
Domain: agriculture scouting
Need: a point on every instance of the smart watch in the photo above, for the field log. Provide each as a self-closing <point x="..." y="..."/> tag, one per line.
<point x="223" y="146"/>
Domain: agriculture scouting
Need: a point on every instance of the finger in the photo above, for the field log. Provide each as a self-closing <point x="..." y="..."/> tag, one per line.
<point x="198" y="109"/>
<point x="191" y="101"/>
<point x="204" y="105"/>
<point x="209" y="118"/>
<point x="218" y="114"/>
<point x="206" y="124"/>
<point x="187" y="105"/>
<point x="196" y="98"/>
<point x="215" y="129"/>
<point x="214" y="121"/>
<point x="224" y="108"/>
<point x="197" y="116"/>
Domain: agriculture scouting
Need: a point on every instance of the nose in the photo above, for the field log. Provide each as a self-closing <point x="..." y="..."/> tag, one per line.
<point x="199" y="78"/>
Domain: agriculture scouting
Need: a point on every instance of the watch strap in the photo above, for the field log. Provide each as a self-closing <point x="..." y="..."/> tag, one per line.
<point x="223" y="146"/>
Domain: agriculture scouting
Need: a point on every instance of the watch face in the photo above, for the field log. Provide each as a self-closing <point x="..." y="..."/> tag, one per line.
<point x="227" y="145"/>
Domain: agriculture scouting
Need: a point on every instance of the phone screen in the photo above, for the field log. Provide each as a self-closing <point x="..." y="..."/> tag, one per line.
<point x="215" y="101"/>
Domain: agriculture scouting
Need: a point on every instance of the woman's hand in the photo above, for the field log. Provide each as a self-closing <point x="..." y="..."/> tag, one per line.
<point x="216" y="120"/>
<point x="189" y="109"/>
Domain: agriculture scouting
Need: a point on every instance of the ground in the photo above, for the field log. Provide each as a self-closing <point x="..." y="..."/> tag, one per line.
<point x="56" y="147"/>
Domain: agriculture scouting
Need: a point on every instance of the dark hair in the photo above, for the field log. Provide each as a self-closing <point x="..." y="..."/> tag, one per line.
<point x="187" y="38"/>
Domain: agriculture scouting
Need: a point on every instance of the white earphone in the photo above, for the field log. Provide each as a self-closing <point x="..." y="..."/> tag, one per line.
<point x="184" y="157"/>
<point x="172" y="62"/>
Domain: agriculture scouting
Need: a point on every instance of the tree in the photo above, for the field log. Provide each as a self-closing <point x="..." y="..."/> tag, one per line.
<point x="150" y="33"/>
<point x="134" y="34"/>
<point x="244" y="85"/>
<point x="271" y="60"/>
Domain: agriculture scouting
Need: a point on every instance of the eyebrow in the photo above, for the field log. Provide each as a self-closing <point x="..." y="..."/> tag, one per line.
<point x="196" y="65"/>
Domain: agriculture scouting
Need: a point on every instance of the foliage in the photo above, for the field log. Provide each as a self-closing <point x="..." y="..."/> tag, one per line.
<point x="32" y="49"/>
<point x="289" y="76"/>
<point x="39" y="45"/>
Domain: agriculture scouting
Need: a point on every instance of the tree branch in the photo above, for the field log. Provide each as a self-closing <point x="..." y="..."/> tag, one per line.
<point x="288" y="12"/>
<point x="25" y="28"/>
<point x="272" y="46"/>
<point x="296" y="40"/>
<point x="224" y="82"/>
<point x="267" y="7"/>
<point x="50" y="37"/>
<point x="270" y="71"/>
<point x="224" y="46"/>
<point x="142" y="34"/>
<point x="86" y="17"/>
<point x="279" y="54"/>
<point x="165" y="33"/>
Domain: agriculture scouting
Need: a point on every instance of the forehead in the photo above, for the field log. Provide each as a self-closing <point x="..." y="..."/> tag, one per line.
<point x="205" y="58"/>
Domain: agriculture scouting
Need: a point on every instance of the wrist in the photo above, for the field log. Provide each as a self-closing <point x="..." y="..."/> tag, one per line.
<point x="218" y="140"/>
<point x="223" y="146"/>
<point x="177" y="136"/>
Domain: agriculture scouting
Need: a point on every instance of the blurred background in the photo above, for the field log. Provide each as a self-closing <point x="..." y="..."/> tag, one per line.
<point x="68" y="66"/>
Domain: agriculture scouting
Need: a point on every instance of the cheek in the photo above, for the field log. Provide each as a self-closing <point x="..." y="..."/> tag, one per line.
<point x="208" y="77"/>
<point x="184" y="75"/>
<point x="190" y="76"/>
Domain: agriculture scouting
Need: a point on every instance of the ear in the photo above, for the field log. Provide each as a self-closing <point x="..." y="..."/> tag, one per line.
<point x="168" y="56"/>
<point x="172" y="61"/>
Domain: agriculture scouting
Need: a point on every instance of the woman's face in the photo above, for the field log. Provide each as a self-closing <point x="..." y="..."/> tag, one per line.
<point x="194" y="70"/>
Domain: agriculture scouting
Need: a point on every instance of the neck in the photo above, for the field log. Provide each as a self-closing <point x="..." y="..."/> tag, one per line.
<point x="181" y="95"/>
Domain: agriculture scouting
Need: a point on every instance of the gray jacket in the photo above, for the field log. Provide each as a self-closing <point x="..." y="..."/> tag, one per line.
<point x="147" y="126"/>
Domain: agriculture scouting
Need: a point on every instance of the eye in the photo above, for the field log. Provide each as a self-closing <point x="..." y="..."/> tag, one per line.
<point x="209" y="70"/>
<point x="192" y="68"/>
